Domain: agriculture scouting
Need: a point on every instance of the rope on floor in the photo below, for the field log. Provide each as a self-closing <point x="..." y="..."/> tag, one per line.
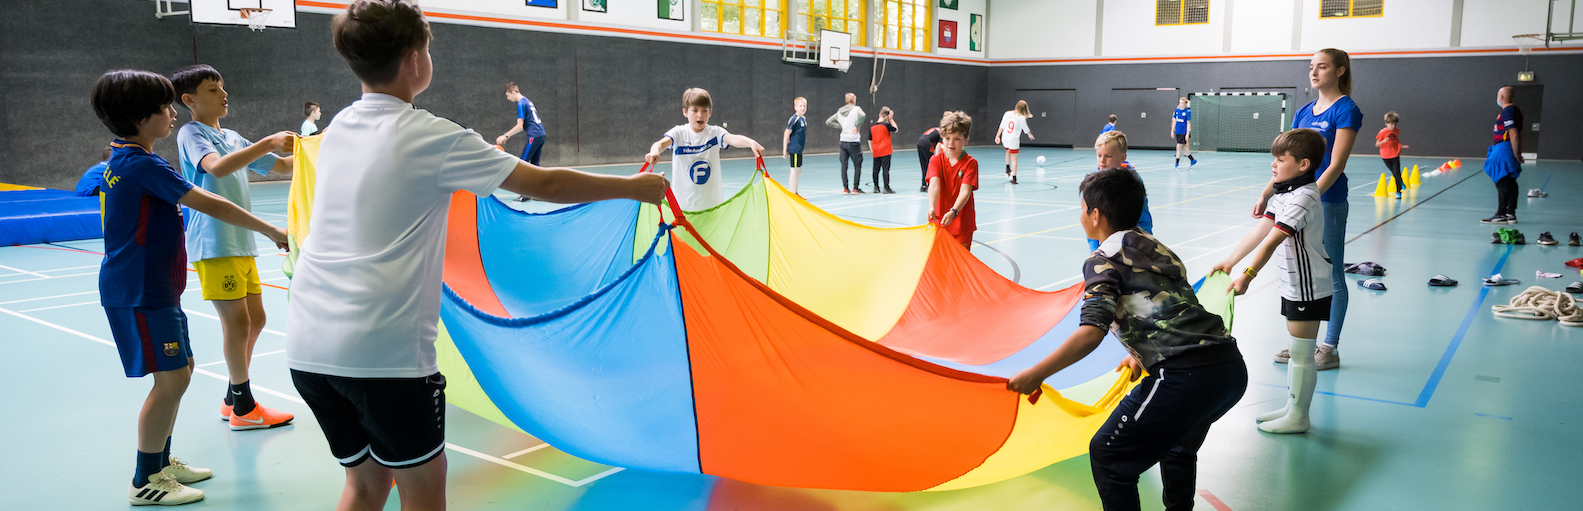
<point x="1542" y="304"/>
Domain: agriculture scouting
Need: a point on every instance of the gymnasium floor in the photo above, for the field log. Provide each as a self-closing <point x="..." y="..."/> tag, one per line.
<point x="1438" y="405"/>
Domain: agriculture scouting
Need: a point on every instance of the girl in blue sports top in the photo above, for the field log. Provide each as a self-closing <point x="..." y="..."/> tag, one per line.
<point x="1338" y="119"/>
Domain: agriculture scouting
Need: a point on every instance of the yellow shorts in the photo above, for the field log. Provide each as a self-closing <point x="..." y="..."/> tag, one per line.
<point x="228" y="278"/>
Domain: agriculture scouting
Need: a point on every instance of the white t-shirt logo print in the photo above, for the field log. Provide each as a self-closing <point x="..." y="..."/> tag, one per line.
<point x="699" y="172"/>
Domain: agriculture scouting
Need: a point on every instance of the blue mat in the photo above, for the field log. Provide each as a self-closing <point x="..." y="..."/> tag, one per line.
<point x="40" y="216"/>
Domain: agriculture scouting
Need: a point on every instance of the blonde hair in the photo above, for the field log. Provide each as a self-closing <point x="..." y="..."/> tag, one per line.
<point x="956" y="122"/>
<point x="1022" y="109"/>
<point x="800" y="99"/>
<point x="1391" y="117"/>
<point x="696" y="97"/>
<point x="851" y="99"/>
<point x="1111" y="137"/>
<point x="885" y="112"/>
<point x="512" y="87"/>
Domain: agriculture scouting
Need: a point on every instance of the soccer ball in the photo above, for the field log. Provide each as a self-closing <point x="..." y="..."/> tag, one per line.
<point x="1039" y="160"/>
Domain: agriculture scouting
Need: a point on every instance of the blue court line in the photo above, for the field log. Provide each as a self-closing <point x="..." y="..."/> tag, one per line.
<point x="1547" y="181"/>
<point x="1445" y="358"/>
<point x="1491" y="416"/>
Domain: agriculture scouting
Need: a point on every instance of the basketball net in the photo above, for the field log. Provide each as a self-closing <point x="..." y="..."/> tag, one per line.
<point x="255" y="18"/>
<point x="1526" y="42"/>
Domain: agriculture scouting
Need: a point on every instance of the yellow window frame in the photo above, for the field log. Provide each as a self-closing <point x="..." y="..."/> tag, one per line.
<point x="812" y="16"/>
<point x="1352" y="7"/>
<point x="918" y="34"/>
<point x="1181" y="14"/>
<point x="742" y="8"/>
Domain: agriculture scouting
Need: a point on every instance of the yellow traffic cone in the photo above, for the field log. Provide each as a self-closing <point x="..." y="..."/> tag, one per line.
<point x="1382" y="189"/>
<point x="1456" y="164"/>
<point x="1413" y="179"/>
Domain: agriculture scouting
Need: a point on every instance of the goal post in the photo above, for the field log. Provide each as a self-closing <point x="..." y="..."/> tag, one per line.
<point x="1237" y="121"/>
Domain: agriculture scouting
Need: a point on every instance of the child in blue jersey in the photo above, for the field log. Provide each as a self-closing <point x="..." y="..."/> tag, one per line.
<point x="144" y="270"/>
<point x="1110" y="126"/>
<point x="1504" y="160"/>
<point x="527" y="120"/>
<point x="696" y="176"/>
<point x="794" y="139"/>
<point x="1182" y="131"/>
<point x="92" y="180"/>
<point x="1110" y="151"/>
<point x="224" y="255"/>
<point x="1338" y="119"/>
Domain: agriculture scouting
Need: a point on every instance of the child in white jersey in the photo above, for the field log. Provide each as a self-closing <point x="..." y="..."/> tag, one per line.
<point x="695" y="161"/>
<point x="1293" y="230"/>
<point x="1012" y="126"/>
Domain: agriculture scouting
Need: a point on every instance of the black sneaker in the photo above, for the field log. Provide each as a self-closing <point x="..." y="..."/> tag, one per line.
<point x="876" y="189"/>
<point x="1495" y="238"/>
<point x="857" y="190"/>
<point x="1511" y="219"/>
<point x="1546" y="239"/>
<point x="1572" y="239"/>
<point x="1517" y="239"/>
<point x="1008" y="170"/>
<point x="888" y="190"/>
<point x="1497" y="219"/>
<point x="1013" y="179"/>
<point x="924" y="188"/>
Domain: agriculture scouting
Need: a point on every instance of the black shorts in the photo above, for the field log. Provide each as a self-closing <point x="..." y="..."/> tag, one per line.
<point x="399" y="422"/>
<point x="1317" y="310"/>
<point x="1181" y="138"/>
<point x="796" y="159"/>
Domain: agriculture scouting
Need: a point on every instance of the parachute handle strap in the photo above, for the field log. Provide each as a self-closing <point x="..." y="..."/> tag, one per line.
<point x="657" y="207"/>
<point x="762" y="168"/>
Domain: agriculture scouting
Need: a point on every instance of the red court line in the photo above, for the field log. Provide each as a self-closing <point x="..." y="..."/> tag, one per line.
<point x="101" y="253"/>
<point x="1213" y="501"/>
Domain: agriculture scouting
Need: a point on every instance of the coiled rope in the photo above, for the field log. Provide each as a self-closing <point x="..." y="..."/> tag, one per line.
<point x="1542" y="304"/>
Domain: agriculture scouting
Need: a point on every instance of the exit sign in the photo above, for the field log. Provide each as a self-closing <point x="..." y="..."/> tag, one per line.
<point x="1525" y="76"/>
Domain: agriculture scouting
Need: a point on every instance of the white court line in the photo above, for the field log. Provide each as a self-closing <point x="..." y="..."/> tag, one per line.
<point x="72" y="268"/>
<point x="24" y="272"/>
<point x="525" y="451"/>
<point x="276" y="352"/>
<point x="95" y="302"/>
<point x="275" y="279"/>
<point x="217" y="318"/>
<point x="299" y="400"/>
<point x="48" y="277"/>
<point x="49" y="297"/>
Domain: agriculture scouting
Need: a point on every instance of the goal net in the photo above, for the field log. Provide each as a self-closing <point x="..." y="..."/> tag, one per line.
<point x="1237" y="121"/>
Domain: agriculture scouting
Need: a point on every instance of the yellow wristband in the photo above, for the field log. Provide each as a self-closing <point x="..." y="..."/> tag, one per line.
<point x="1250" y="272"/>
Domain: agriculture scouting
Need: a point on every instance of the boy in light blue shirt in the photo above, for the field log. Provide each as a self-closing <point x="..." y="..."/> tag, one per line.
<point x="224" y="255"/>
<point x="311" y="111"/>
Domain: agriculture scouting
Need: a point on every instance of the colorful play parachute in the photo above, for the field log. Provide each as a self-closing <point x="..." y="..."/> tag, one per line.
<point x="785" y="347"/>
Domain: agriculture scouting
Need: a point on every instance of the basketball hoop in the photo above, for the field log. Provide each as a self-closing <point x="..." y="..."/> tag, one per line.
<point x="838" y="58"/>
<point x="255" y="18"/>
<point x="1527" y="42"/>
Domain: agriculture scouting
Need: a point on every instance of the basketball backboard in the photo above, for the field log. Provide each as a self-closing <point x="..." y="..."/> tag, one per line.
<point x="283" y="13"/>
<point x="834" y="49"/>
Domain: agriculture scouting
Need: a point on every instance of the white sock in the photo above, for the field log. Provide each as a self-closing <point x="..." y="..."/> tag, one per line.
<point x="1302" y="377"/>
<point x="794" y="172"/>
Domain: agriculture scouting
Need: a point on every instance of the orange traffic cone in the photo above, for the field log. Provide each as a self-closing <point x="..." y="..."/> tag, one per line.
<point x="1444" y="167"/>
<point x="1456" y="164"/>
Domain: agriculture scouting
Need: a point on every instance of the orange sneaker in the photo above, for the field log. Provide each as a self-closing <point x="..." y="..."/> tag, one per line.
<point x="260" y="418"/>
<point x="225" y="412"/>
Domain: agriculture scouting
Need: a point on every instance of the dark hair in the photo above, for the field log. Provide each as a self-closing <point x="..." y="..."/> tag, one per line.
<point x="125" y="98"/>
<point x="1340" y="58"/>
<point x="956" y="122"/>
<point x="375" y="35"/>
<point x="512" y="87"/>
<point x="307" y="108"/>
<point x="105" y="155"/>
<point x="1301" y="144"/>
<point x="1117" y="194"/>
<point x="696" y="97"/>
<point x="1112" y="117"/>
<point x="186" y="80"/>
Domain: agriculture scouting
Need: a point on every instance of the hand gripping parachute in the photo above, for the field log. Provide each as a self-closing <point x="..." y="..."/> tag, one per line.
<point x="713" y="349"/>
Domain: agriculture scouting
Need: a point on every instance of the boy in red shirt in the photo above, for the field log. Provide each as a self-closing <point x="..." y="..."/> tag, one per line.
<point x="953" y="175"/>
<point x="1390" y="144"/>
<point x="879" y="143"/>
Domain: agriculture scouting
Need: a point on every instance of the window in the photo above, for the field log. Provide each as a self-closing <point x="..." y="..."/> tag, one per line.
<point x="838" y="15"/>
<point x="744" y="17"/>
<point x="906" y="24"/>
<point x="1351" y="8"/>
<point x="1182" y="12"/>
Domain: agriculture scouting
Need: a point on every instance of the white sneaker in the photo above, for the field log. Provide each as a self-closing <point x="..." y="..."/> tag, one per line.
<point x="184" y="473"/>
<point x="162" y="490"/>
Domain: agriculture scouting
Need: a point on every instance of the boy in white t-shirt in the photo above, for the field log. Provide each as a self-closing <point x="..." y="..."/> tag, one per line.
<point x="695" y="159"/>
<point x="365" y="301"/>
<point x="1292" y="230"/>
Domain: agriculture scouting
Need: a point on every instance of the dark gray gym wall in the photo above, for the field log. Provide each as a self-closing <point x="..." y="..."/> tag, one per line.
<point x="1447" y="104"/>
<point x="602" y="99"/>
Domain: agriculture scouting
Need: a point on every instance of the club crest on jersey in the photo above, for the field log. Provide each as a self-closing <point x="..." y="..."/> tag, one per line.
<point x="172" y="349"/>
<point x="699" y="172"/>
<point x="229" y="284"/>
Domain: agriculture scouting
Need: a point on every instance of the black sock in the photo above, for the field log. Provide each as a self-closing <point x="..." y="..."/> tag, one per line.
<point x="228" y="401"/>
<point x="242" y="399"/>
<point x="1178" y="161"/>
<point x="164" y="456"/>
<point x="147" y="465"/>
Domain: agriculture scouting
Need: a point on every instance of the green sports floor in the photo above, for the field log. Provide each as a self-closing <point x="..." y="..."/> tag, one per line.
<point x="1438" y="404"/>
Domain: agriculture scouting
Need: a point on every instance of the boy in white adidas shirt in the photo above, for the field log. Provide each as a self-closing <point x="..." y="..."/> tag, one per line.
<point x="1293" y="230"/>
<point x="695" y="160"/>
<point x="365" y="301"/>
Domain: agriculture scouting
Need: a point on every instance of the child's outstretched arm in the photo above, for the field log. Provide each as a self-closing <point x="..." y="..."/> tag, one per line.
<point x="654" y="150"/>
<point x="568" y="186"/>
<point x="221" y="166"/>
<point x="739" y="140"/>
<point x="284" y="166"/>
<point x="208" y="203"/>
<point x="1078" y="345"/>
<point x="1249" y="241"/>
<point x="1274" y="239"/>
